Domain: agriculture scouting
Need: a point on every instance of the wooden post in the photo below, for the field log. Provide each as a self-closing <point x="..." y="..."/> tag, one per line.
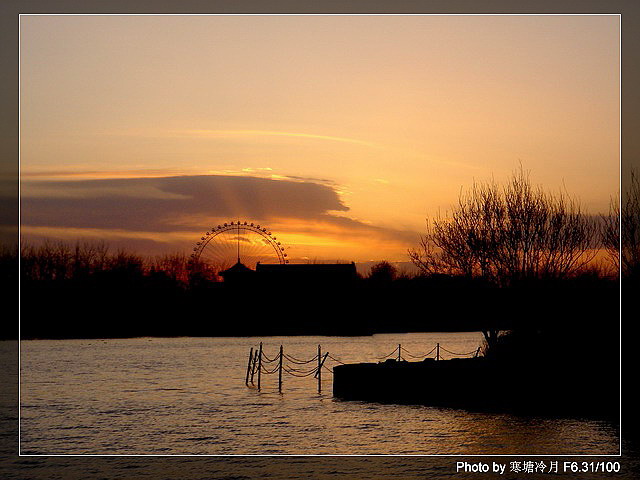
<point x="253" y="364"/>
<point x="246" y="380"/>
<point x="259" y="365"/>
<point x="326" y="354"/>
<point x="319" y="371"/>
<point x="399" y="350"/>
<point x="437" y="352"/>
<point x="280" y="372"/>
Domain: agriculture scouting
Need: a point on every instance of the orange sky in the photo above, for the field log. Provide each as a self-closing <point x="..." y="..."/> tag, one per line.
<point x="342" y="133"/>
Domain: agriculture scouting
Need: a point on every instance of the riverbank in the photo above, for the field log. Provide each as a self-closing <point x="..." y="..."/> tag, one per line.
<point x="88" y="310"/>
<point x="484" y="384"/>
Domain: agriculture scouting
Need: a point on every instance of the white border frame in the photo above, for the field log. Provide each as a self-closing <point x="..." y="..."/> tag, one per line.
<point x="618" y="455"/>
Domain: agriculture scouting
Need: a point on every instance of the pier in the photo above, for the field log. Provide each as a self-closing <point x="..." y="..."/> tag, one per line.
<point x="452" y="382"/>
<point x="432" y="380"/>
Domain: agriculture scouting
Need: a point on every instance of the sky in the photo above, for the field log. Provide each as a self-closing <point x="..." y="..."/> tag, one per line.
<point x="343" y="134"/>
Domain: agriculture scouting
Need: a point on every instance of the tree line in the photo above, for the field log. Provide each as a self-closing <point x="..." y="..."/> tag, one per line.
<point x="471" y="264"/>
<point x="60" y="261"/>
<point x="500" y="235"/>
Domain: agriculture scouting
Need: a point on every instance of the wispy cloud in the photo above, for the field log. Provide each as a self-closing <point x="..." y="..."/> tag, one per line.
<point x="270" y="133"/>
<point x="43" y="176"/>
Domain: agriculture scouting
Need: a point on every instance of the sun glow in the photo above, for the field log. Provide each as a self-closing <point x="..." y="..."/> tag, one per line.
<point x="356" y="136"/>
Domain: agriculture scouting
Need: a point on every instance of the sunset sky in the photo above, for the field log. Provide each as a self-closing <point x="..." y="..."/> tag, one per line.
<point x="341" y="133"/>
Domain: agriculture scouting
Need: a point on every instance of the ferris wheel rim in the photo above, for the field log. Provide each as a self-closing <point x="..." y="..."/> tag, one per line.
<point x="263" y="231"/>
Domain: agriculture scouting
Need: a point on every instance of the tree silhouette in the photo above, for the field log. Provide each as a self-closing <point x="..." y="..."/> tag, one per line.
<point x="624" y="252"/>
<point x="509" y="235"/>
<point x="383" y="272"/>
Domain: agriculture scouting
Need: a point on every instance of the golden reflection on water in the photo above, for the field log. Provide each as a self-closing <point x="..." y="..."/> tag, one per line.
<point x="187" y="396"/>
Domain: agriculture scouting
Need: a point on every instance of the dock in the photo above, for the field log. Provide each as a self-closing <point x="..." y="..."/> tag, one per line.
<point x="455" y="382"/>
<point x="534" y="387"/>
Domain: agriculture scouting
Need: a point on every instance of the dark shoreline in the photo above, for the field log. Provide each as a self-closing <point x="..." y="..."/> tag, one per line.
<point x="477" y="384"/>
<point x="85" y="310"/>
<point x="242" y="335"/>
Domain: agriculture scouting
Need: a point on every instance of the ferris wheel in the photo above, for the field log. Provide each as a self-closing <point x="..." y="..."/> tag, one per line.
<point x="241" y="242"/>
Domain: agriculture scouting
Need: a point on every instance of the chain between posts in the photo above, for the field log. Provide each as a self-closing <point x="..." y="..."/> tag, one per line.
<point x="400" y="352"/>
<point x="296" y="367"/>
<point x="258" y="361"/>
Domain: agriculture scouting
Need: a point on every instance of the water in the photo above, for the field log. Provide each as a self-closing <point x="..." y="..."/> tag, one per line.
<point x="170" y="396"/>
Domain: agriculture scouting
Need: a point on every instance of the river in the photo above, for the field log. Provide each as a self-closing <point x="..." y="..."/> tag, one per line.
<point x="187" y="396"/>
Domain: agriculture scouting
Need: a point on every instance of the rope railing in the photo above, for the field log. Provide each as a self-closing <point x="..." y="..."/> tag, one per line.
<point x="268" y="372"/>
<point x="298" y="361"/>
<point x="267" y="359"/>
<point x="292" y="371"/>
<point x="400" y="351"/>
<point x="296" y="367"/>
<point x="458" y="354"/>
<point x="395" y="352"/>
<point x="300" y="374"/>
<point x="424" y="355"/>
<point x="336" y="360"/>
<point x="286" y="363"/>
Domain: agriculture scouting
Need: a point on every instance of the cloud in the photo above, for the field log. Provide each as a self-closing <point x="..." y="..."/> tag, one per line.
<point x="366" y="229"/>
<point x="171" y="203"/>
<point x="161" y="214"/>
<point x="269" y="133"/>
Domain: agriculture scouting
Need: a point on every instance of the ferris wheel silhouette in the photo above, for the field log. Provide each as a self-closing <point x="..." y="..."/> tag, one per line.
<point x="239" y="242"/>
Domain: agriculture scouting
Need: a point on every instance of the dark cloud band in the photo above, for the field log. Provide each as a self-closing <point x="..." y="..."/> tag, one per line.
<point x="170" y="203"/>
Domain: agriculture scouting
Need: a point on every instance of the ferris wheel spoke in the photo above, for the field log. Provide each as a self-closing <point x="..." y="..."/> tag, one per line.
<point x="244" y="242"/>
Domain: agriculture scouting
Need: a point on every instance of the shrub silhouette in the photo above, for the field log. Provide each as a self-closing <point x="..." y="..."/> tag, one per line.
<point x="383" y="273"/>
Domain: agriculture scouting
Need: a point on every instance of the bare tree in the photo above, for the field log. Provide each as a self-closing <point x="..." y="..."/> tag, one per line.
<point x="201" y="273"/>
<point x="508" y="235"/>
<point x="175" y="266"/>
<point x="630" y="223"/>
<point x="611" y="234"/>
<point x="56" y="261"/>
<point x="89" y="258"/>
<point x="49" y="261"/>
<point x="624" y="251"/>
<point x="505" y="235"/>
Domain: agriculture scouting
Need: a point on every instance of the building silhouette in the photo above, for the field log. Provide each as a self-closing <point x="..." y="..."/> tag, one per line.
<point x="238" y="273"/>
<point x="291" y="274"/>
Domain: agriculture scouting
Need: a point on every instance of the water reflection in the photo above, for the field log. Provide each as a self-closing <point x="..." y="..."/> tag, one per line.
<point x="187" y="396"/>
